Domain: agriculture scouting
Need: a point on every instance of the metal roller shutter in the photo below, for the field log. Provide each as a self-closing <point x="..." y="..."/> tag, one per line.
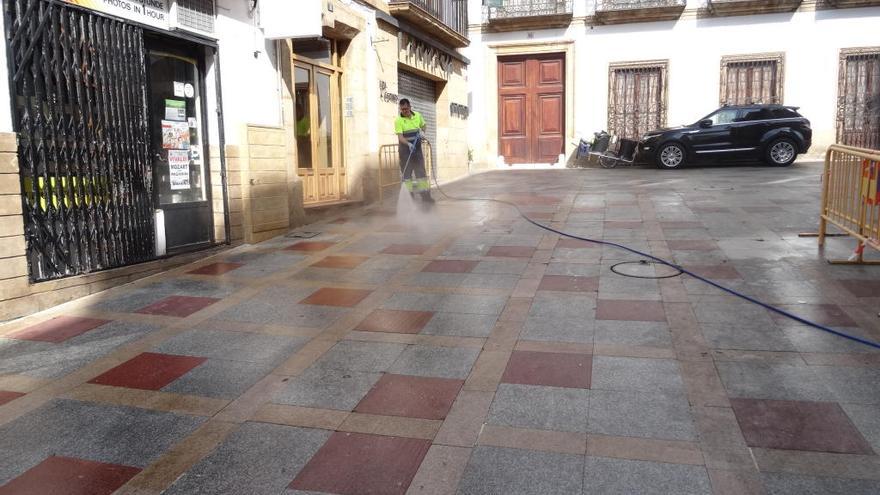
<point x="422" y="93"/>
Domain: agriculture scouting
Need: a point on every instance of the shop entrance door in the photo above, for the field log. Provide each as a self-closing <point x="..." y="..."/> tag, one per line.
<point x="177" y="128"/>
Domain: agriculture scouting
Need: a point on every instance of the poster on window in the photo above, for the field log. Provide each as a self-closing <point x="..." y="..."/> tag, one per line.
<point x="175" y="135"/>
<point x="178" y="169"/>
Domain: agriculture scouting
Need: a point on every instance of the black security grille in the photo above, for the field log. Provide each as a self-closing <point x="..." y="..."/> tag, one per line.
<point x="78" y="83"/>
<point x="858" y="114"/>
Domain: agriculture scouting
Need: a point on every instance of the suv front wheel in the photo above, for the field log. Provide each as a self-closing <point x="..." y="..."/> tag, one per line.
<point x="781" y="152"/>
<point x="670" y="155"/>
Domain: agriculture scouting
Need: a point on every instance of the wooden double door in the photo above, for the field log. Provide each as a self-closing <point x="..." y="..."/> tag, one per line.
<point x="531" y="108"/>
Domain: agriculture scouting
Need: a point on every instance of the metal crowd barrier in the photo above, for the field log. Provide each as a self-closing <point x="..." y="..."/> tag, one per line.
<point x="851" y="197"/>
<point x="389" y="165"/>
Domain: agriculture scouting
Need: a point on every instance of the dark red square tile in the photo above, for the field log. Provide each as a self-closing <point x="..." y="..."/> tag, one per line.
<point x="411" y="396"/>
<point x="681" y="225"/>
<point x="70" y="476"/>
<point x="450" y="266"/>
<point x="328" y="296"/>
<point x="6" y="396"/>
<point x="761" y="209"/>
<point x="540" y="215"/>
<point x="341" y="262"/>
<point x="798" y="425"/>
<point x="824" y="314"/>
<point x="310" y="246"/>
<point x="710" y="209"/>
<point x="691" y="245"/>
<point x="358" y="463"/>
<point x="630" y="310"/>
<point x="576" y="244"/>
<point x="862" y="288"/>
<point x="724" y="272"/>
<point x="148" y="371"/>
<point x="569" y="284"/>
<point x="552" y="369"/>
<point x="511" y="251"/>
<point x="624" y="225"/>
<point x="394" y="321"/>
<point x="181" y="306"/>
<point x="216" y="269"/>
<point x="412" y="249"/>
<point x="58" y="329"/>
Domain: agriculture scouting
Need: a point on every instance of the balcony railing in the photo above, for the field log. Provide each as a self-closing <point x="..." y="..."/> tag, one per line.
<point x="621" y="11"/>
<point x="446" y="19"/>
<point x="745" y="7"/>
<point x="514" y="15"/>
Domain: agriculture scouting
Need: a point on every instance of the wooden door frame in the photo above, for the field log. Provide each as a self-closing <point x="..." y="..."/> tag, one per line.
<point x="566" y="47"/>
<point x="338" y="160"/>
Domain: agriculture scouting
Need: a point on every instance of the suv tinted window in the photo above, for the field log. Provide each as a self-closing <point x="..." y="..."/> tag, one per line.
<point x="724" y="116"/>
<point x="756" y="114"/>
<point x="783" y="113"/>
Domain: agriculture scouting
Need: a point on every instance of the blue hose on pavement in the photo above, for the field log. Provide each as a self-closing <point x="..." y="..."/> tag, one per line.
<point x="854" y="338"/>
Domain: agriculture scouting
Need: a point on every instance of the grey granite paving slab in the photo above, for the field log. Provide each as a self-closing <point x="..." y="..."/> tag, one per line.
<point x="606" y="476"/>
<point x="563" y="306"/>
<point x="220" y="378"/>
<point x="636" y="374"/>
<point x="460" y="325"/>
<point x="539" y="407"/>
<point x="637" y="333"/>
<point x="440" y="362"/>
<point x="327" y="388"/>
<point x="234" y="346"/>
<point x="349" y="355"/>
<point x="791" y="484"/>
<point x="853" y="385"/>
<point x="746" y="337"/>
<point x="773" y="381"/>
<point x="641" y="414"/>
<point x="548" y="329"/>
<point x="494" y="471"/>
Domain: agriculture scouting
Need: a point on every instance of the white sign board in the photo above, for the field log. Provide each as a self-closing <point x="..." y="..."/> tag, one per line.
<point x="150" y="12"/>
<point x="282" y="19"/>
<point x="178" y="169"/>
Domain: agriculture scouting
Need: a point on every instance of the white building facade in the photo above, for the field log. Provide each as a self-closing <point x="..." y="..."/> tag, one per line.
<point x="629" y="65"/>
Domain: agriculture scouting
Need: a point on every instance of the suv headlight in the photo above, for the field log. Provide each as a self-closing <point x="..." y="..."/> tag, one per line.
<point x="650" y="136"/>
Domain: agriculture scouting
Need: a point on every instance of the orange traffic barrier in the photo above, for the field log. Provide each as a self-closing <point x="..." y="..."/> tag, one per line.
<point x="851" y="197"/>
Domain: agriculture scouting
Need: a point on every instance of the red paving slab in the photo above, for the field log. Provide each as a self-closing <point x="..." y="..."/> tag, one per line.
<point x="216" y="268"/>
<point x="576" y="244"/>
<point x="862" y="288"/>
<point x="341" y="262"/>
<point x="148" y="371"/>
<point x="691" y="245"/>
<point x="450" y="266"/>
<point x="7" y="396"/>
<point x="681" y="225"/>
<point x="630" y="310"/>
<point x="569" y="284"/>
<point x="310" y="246"/>
<point x="181" y="306"/>
<point x="722" y="272"/>
<point x="710" y="209"/>
<point x="824" y="314"/>
<point x="358" y="463"/>
<point x="395" y="321"/>
<point x="58" y="329"/>
<point x="411" y="396"/>
<point x="411" y="249"/>
<point x="345" y="298"/>
<point x="624" y="225"/>
<point x="511" y="251"/>
<point x="70" y="476"/>
<point x="552" y="369"/>
<point x="798" y="425"/>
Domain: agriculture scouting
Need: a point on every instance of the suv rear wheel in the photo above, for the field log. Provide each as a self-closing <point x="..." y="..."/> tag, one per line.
<point x="670" y="155"/>
<point x="781" y="152"/>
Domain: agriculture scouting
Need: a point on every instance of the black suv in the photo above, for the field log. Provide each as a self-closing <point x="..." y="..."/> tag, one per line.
<point x="774" y="133"/>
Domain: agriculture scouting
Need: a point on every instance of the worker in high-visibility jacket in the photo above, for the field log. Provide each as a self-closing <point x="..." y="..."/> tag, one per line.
<point x="410" y="129"/>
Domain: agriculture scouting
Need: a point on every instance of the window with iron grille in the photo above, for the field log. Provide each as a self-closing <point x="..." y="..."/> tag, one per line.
<point x="636" y="98"/>
<point x="748" y="79"/>
<point x="858" y="100"/>
<point x="196" y="14"/>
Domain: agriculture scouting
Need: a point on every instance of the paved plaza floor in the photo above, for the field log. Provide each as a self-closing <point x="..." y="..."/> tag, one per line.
<point x="468" y="351"/>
